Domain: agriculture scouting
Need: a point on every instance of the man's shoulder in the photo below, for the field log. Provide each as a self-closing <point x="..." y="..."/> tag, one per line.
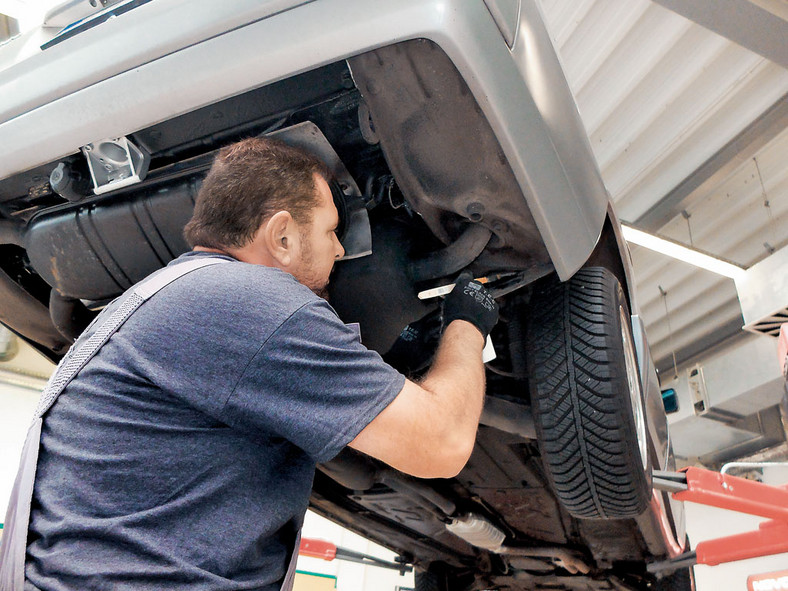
<point x="235" y="275"/>
<point x="237" y="290"/>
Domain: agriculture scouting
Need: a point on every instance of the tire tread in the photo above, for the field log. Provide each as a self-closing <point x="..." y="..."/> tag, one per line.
<point x="578" y="383"/>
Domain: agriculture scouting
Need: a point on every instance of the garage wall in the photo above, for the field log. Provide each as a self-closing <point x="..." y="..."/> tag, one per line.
<point x="351" y="576"/>
<point x="17" y="406"/>
<point x="23" y="374"/>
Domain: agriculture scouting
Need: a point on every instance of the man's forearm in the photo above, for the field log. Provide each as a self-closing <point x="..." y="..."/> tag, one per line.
<point x="429" y="429"/>
<point x="456" y="379"/>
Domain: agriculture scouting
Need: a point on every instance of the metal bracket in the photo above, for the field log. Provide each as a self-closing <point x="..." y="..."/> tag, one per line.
<point x="669" y="481"/>
<point x="308" y="136"/>
<point x="115" y="163"/>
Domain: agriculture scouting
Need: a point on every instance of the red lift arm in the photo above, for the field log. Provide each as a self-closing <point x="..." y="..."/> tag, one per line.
<point x="736" y="494"/>
<point x="324" y="550"/>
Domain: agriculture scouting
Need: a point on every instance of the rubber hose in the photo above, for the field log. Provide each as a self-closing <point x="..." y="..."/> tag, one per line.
<point x="454" y="257"/>
<point x="69" y="315"/>
<point x="11" y="233"/>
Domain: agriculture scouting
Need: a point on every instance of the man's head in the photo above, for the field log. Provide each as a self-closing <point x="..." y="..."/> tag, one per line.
<point x="267" y="203"/>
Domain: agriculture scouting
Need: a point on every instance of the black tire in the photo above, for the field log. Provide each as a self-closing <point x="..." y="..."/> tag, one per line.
<point x="593" y="446"/>
<point x="429" y="581"/>
<point x="440" y="577"/>
<point x="681" y="580"/>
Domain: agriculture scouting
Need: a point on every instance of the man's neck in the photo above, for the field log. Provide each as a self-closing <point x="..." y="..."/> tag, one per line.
<point x="214" y="250"/>
<point x="246" y="254"/>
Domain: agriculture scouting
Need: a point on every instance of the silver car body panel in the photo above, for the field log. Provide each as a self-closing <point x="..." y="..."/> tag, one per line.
<point x="152" y="64"/>
<point x="659" y="435"/>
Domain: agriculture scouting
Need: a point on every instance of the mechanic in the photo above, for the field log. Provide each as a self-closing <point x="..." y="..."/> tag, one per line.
<point x="182" y="455"/>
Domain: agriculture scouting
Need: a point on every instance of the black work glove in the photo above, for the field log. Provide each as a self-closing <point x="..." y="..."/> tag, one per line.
<point x="470" y="301"/>
<point x="415" y="348"/>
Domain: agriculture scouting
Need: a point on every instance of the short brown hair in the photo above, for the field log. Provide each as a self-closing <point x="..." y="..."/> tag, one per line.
<point x="249" y="182"/>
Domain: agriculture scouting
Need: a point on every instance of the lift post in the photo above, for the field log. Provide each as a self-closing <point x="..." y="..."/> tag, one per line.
<point x="706" y="487"/>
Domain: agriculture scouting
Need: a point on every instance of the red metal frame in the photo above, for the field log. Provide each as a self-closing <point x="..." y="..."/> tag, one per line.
<point x="315" y="548"/>
<point x="744" y="496"/>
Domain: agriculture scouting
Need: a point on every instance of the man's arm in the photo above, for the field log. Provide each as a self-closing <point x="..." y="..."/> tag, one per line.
<point x="430" y="428"/>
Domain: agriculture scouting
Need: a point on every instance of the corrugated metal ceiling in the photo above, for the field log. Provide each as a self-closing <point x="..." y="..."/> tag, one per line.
<point x="660" y="97"/>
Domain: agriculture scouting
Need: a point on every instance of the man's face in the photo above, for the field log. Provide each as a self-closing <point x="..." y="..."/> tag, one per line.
<point x="320" y="247"/>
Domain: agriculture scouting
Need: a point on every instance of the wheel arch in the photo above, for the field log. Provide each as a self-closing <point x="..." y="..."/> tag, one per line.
<point x="612" y="252"/>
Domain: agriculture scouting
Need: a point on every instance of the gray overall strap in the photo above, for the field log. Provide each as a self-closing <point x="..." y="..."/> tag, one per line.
<point x="289" y="580"/>
<point x="14" y="543"/>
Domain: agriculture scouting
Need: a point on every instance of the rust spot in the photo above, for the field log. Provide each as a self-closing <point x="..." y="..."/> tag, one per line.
<point x="53" y="269"/>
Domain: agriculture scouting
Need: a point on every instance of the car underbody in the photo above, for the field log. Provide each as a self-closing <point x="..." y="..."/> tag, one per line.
<point x="435" y="193"/>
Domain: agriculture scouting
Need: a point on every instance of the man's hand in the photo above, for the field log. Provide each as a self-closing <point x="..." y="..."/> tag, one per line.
<point x="470" y="301"/>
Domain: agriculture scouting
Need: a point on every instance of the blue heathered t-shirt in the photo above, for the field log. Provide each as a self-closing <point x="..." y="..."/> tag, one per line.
<point x="182" y="455"/>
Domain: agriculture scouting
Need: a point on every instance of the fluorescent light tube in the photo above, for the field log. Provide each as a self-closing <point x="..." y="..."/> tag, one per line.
<point x="682" y="253"/>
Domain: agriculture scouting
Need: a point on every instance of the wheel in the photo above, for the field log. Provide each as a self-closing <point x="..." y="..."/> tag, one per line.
<point x="440" y="577"/>
<point x="429" y="581"/>
<point x="681" y="580"/>
<point x="586" y="396"/>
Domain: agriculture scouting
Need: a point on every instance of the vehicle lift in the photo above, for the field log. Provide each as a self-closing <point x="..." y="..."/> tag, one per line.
<point x="724" y="491"/>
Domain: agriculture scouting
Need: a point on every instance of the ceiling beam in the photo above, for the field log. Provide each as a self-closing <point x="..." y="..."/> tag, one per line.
<point x="749" y="23"/>
<point x="723" y="163"/>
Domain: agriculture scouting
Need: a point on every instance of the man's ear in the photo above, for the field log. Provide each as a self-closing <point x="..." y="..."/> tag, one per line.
<point x="280" y="238"/>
